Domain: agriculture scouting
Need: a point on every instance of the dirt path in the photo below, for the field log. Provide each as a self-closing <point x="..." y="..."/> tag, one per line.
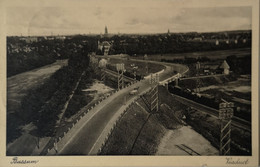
<point x="19" y="85"/>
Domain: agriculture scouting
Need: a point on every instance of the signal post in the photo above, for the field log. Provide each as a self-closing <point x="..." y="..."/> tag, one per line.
<point x="120" y="71"/>
<point x="102" y="65"/>
<point x="226" y="113"/>
<point x="154" y="101"/>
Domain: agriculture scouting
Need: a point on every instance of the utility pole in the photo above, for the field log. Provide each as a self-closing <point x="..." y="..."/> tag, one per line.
<point x="134" y="67"/>
<point x="225" y="115"/>
<point x="120" y="71"/>
<point x="153" y="105"/>
<point x="154" y="101"/>
<point x="102" y="65"/>
<point x="198" y="74"/>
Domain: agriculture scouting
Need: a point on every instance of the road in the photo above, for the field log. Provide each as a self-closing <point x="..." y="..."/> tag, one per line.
<point x="236" y="122"/>
<point x="86" y="136"/>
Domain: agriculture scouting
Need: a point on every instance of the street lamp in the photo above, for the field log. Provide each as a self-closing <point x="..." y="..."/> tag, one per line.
<point x="134" y="67"/>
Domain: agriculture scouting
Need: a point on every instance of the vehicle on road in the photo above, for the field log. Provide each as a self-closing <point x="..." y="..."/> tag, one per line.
<point x="134" y="91"/>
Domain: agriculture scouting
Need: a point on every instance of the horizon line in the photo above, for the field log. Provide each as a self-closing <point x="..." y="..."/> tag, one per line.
<point x="113" y="34"/>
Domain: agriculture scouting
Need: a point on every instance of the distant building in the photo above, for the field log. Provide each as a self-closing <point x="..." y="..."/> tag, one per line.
<point x="169" y="33"/>
<point x="60" y="37"/>
<point x="197" y="39"/>
<point x="104" y="46"/>
<point x="106" y="31"/>
<point x="29" y="39"/>
<point x="225" y="67"/>
<point x="217" y="42"/>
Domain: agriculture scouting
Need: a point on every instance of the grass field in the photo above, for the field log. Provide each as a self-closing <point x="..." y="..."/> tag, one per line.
<point x="213" y="55"/>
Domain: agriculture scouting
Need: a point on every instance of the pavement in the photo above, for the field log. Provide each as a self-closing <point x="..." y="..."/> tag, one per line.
<point x="19" y="85"/>
<point x="85" y="135"/>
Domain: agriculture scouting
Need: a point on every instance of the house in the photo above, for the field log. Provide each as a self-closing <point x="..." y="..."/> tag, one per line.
<point x="225" y="67"/>
<point x="104" y="46"/>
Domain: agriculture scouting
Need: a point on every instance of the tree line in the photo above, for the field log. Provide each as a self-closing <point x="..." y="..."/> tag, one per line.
<point x="43" y="104"/>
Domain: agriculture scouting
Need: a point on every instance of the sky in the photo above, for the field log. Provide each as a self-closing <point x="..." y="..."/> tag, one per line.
<point x="124" y="17"/>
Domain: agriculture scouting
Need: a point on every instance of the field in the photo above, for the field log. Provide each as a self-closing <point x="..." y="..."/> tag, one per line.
<point x="213" y="55"/>
<point x="18" y="87"/>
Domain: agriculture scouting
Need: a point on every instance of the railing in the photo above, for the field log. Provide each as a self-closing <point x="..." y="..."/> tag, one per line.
<point x="116" y="120"/>
<point x="54" y="149"/>
<point x="55" y="146"/>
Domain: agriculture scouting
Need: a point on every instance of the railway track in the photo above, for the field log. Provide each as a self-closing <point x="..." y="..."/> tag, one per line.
<point x="236" y="122"/>
<point x="187" y="149"/>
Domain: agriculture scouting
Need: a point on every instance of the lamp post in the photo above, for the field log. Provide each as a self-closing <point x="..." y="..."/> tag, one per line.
<point x="134" y="67"/>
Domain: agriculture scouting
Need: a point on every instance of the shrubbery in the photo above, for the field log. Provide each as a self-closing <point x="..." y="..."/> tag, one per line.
<point x="79" y="99"/>
<point x="43" y="104"/>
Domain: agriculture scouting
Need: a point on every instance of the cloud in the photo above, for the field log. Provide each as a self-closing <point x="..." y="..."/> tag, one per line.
<point x="215" y="19"/>
<point x="126" y="17"/>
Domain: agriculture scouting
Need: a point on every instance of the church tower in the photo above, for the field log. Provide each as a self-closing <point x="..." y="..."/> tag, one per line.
<point x="106" y="32"/>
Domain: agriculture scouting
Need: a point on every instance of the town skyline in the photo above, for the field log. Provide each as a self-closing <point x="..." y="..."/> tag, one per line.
<point x="128" y="18"/>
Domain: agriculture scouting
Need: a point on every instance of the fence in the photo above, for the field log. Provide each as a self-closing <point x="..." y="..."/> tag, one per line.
<point x="115" y="120"/>
<point x="54" y="149"/>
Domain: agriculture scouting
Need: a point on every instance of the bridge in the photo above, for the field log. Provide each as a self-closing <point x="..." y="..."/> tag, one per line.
<point x="115" y="74"/>
<point x="88" y="134"/>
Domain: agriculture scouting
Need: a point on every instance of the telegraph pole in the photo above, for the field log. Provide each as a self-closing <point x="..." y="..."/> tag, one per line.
<point x="154" y="101"/>
<point x="102" y="65"/>
<point x="120" y="71"/>
<point x="225" y="115"/>
<point x="153" y="105"/>
<point x="134" y="67"/>
<point x="198" y="80"/>
<point x="154" y="93"/>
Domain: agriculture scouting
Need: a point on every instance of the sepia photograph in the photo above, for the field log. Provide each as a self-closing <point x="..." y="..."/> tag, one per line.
<point x="130" y="79"/>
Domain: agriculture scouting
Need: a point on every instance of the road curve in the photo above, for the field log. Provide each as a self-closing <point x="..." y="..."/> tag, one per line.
<point x="87" y="131"/>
